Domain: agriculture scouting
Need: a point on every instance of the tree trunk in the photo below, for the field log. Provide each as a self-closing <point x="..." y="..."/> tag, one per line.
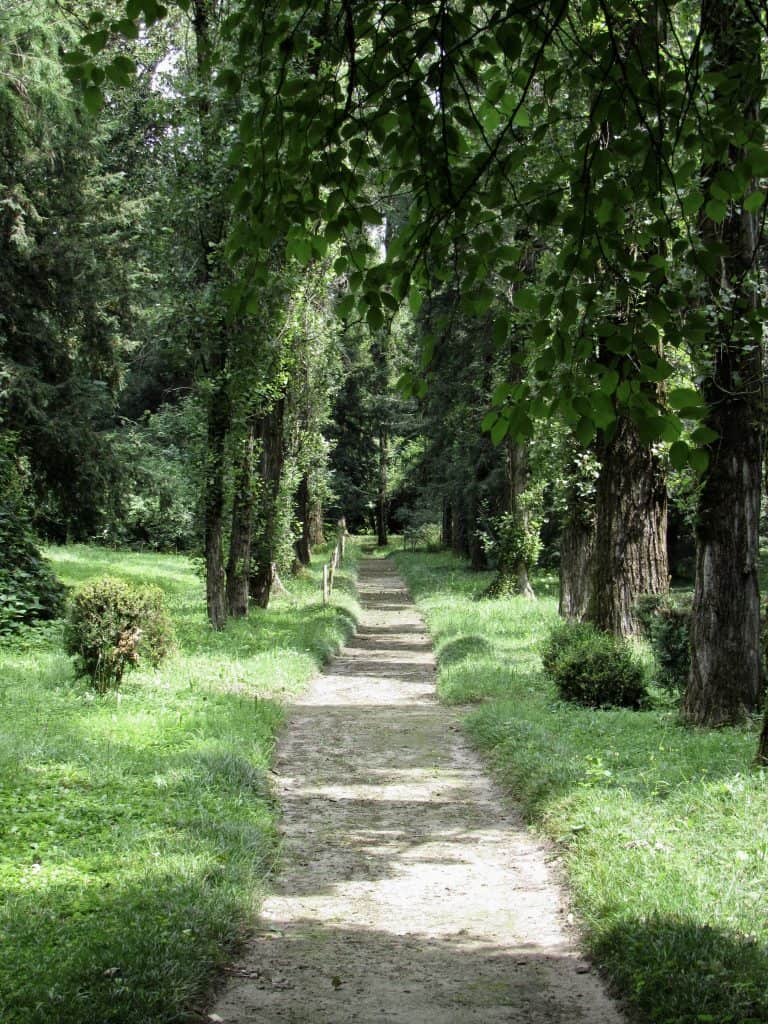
<point x="576" y="550"/>
<point x="218" y="426"/>
<point x="382" y="495"/>
<point x="316" y="526"/>
<point x="459" y="531"/>
<point x="239" y="561"/>
<point x="445" y="524"/>
<point x="210" y="229"/>
<point x="630" y="553"/>
<point x="512" y="573"/>
<point x="265" y="546"/>
<point x="303" y="546"/>
<point x="725" y="684"/>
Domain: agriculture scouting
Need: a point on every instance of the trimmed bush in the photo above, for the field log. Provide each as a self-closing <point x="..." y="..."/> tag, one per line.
<point x="597" y="670"/>
<point x="111" y="626"/>
<point x="666" y="623"/>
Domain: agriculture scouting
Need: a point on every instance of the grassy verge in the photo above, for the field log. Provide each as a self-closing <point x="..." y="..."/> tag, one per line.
<point x="662" y="828"/>
<point x="136" y="832"/>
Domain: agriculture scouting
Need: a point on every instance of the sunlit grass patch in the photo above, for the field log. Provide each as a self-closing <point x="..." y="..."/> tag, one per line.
<point x="662" y="828"/>
<point x="137" y="829"/>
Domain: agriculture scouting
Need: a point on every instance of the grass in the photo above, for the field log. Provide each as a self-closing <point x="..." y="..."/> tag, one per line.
<point x="663" y="829"/>
<point x="137" y="831"/>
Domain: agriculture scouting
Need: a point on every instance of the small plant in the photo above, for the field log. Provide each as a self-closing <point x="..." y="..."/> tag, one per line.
<point x="666" y="622"/>
<point x="592" y="668"/>
<point x="111" y="625"/>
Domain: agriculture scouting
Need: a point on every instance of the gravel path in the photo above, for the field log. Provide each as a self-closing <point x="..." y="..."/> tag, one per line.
<point x="410" y="892"/>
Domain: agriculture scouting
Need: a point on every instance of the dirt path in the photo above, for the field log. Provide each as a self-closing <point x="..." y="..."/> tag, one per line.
<point x="410" y="892"/>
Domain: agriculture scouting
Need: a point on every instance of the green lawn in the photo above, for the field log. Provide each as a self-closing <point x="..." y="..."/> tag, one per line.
<point x="663" y="829"/>
<point x="136" y="832"/>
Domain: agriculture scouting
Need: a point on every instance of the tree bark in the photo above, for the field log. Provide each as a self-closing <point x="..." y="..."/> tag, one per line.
<point x="577" y="544"/>
<point x="265" y="544"/>
<point x="630" y="551"/>
<point x="218" y="426"/>
<point x="219" y="411"/>
<point x="239" y="560"/>
<point x="576" y="550"/>
<point x="303" y="546"/>
<point x="382" y="491"/>
<point x="316" y="525"/>
<point x="725" y="684"/>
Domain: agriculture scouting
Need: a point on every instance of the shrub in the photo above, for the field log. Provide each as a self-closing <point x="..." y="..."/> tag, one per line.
<point x="111" y="625"/>
<point x="666" y="622"/>
<point x="592" y="668"/>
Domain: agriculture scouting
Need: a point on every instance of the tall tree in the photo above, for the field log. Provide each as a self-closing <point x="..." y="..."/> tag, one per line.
<point x="726" y="680"/>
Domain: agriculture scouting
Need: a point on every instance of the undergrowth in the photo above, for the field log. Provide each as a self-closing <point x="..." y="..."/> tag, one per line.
<point x="661" y="827"/>
<point x="138" y="828"/>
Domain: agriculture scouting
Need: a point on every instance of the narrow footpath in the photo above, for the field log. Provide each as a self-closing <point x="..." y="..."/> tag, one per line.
<point x="410" y="891"/>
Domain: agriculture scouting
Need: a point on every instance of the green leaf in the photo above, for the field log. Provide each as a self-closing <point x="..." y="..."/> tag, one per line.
<point x="704" y="435"/>
<point x="609" y="381"/>
<point x="526" y="298"/>
<point x="93" y="98"/>
<point x="585" y="431"/>
<point x="754" y="201"/>
<point x="678" y="454"/>
<point x="375" y="318"/>
<point x="522" y="118"/>
<point x="499" y="430"/>
<point x="716" y="210"/>
<point x="489" y="420"/>
<point x="684" y="398"/>
<point x="692" y="203"/>
<point x="604" y="211"/>
<point x="699" y="459"/>
<point x="500" y="330"/>
<point x="415" y="300"/>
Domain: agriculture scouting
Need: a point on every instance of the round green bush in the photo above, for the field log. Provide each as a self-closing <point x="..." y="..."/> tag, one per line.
<point x="591" y="668"/>
<point x="111" y="626"/>
<point x="666" y="622"/>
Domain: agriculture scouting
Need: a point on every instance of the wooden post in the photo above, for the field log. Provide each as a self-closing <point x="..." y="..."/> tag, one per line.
<point x="326" y="591"/>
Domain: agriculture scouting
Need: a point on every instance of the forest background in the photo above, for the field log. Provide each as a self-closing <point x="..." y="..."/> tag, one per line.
<point x="488" y="275"/>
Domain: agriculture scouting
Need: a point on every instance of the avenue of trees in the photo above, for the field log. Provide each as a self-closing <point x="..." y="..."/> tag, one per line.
<point x="492" y="272"/>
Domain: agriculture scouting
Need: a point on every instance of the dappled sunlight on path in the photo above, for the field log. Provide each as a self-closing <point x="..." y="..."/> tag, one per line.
<point x="409" y="891"/>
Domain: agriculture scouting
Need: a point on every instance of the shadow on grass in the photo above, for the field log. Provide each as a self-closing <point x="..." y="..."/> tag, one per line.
<point x="465" y="648"/>
<point x="137" y="953"/>
<point x="686" y="973"/>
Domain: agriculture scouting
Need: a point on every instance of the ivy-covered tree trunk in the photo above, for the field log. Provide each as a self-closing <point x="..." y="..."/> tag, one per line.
<point x="725" y="684"/>
<point x="264" y="571"/>
<point x="630" y="552"/>
<point x="303" y="545"/>
<point x="512" y="527"/>
<point x="239" y="560"/>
